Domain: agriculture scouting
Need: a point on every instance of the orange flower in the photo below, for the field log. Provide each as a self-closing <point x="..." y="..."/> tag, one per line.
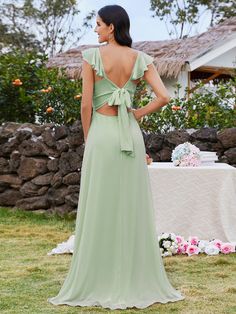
<point x="176" y="108"/>
<point x="49" y="109"/>
<point x="49" y="89"/>
<point x="17" y="82"/>
<point x="77" y="96"/>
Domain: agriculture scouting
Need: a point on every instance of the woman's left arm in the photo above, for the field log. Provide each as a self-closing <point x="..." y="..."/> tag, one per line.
<point x="87" y="97"/>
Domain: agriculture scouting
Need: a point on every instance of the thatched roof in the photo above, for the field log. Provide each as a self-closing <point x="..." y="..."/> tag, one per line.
<point x="169" y="55"/>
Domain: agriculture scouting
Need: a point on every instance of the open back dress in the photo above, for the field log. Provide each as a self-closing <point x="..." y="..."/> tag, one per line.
<point x="116" y="262"/>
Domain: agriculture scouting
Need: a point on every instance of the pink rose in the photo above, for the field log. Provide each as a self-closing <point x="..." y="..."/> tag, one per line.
<point x="193" y="240"/>
<point x="227" y="248"/>
<point x="192" y="249"/>
<point x="184" y="246"/>
<point x="179" y="239"/>
<point x="180" y="250"/>
<point x="217" y="243"/>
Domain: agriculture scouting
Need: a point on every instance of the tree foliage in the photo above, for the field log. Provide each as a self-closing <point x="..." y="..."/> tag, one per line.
<point x="181" y="15"/>
<point x="49" y="26"/>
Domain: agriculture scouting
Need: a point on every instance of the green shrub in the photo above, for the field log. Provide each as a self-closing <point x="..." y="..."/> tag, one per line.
<point x="23" y="78"/>
<point x="203" y="109"/>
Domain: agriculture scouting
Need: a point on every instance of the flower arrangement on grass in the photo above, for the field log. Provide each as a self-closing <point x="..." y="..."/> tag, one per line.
<point x="185" y="155"/>
<point x="171" y="244"/>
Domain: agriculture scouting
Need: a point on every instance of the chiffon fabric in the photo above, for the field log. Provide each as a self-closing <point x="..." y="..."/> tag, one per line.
<point x="116" y="262"/>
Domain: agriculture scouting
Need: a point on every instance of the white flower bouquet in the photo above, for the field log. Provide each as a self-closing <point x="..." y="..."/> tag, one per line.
<point x="185" y="155"/>
<point x="168" y="244"/>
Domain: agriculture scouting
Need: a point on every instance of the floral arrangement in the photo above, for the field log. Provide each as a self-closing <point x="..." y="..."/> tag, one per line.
<point x="171" y="244"/>
<point x="185" y="155"/>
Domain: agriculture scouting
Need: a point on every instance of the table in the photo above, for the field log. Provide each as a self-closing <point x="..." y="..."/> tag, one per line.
<point x="195" y="201"/>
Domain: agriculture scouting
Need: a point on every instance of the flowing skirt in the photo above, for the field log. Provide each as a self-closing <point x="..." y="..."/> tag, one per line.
<point x="116" y="262"/>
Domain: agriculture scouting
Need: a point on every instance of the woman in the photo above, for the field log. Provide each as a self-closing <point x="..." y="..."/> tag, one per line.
<point x="116" y="262"/>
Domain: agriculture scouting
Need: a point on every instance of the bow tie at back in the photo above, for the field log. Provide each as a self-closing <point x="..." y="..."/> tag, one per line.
<point x="121" y="98"/>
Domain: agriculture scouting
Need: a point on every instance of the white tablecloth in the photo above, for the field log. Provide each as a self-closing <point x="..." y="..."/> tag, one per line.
<point x="193" y="201"/>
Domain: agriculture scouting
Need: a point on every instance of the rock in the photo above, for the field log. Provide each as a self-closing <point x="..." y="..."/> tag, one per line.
<point x="154" y="142"/>
<point x="14" y="161"/>
<point x="10" y="179"/>
<point x="48" y="138"/>
<point x="31" y="167"/>
<point x="33" y="203"/>
<point x="69" y="162"/>
<point x="32" y="148"/>
<point x="73" y="188"/>
<point x="33" y="128"/>
<point x="56" y="180"/>
<point x="165" y="154"/>
<point x="50" y="151"/>
<point x="57" y="196"/>
<point x="44" y="179"/>
<point x="71" y="178"/>
<point x="23" y="135"/>
<point x="205" y="134"/>
<point x="8" y="130"/>
<point x="29" y="189"/>
<point x="9" y="197"/>
<point x="61" y="132"/>
<point x="53" y="164"/>
<point x="75" y="140"/>
<point x="9" y="147"/>
<point x="77" y="127"/>
<point x="208" y="146"/>
<point x="231" y="155"/>
<point x="176" y="137"/>
<point x="72" y="199"/>
<point x="227" y="137"/>
<point x="80" y="151"/>
<point x="62" y="146"/>
<point x="4" y="165"/>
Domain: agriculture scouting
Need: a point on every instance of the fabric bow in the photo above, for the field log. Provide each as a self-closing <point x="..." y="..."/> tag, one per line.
<point x="121" y="98"/>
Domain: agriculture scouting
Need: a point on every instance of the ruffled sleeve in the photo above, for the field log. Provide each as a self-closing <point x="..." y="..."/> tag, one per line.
<point x="91" y="55"/>
<point x="141" y="65"/>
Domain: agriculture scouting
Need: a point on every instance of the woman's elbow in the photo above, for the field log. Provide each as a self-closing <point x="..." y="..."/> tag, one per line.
<point x="165" y="99"/>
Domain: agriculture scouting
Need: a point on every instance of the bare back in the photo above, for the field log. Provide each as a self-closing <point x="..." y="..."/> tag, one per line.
<point x="118" y="64"/>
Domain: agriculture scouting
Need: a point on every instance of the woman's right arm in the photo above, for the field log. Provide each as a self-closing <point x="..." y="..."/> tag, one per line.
<point x="152" y="77"/>
<point x="87" y="97"/>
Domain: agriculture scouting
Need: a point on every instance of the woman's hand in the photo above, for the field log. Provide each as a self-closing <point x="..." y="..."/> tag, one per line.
<point x="136" y="114"/>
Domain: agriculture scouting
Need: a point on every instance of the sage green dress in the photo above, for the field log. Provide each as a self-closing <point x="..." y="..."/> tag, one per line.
<point x="116" y="262"/>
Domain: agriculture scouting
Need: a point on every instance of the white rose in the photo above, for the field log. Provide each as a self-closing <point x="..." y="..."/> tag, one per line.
<point x="165" y="235"/>
<point x="173" y="249"/>
<point x="212" y="250"/>
<point x="202" y="244"/>
<point x="166" y="254"/>
<point x="166" y="244"/>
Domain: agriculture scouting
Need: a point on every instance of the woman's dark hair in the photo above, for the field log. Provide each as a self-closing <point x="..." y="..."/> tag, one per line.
<point x="116" y="15"/>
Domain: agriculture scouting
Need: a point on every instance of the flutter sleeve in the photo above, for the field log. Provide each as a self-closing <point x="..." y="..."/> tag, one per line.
<point x="142" y="65"/>
<point x="91" y="56"/>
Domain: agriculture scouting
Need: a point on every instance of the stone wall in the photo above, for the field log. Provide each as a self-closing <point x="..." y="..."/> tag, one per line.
<point x="40" y="165"/>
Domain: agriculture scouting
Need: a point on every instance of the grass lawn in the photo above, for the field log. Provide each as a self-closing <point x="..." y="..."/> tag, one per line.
<point x="29" y="276"/>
